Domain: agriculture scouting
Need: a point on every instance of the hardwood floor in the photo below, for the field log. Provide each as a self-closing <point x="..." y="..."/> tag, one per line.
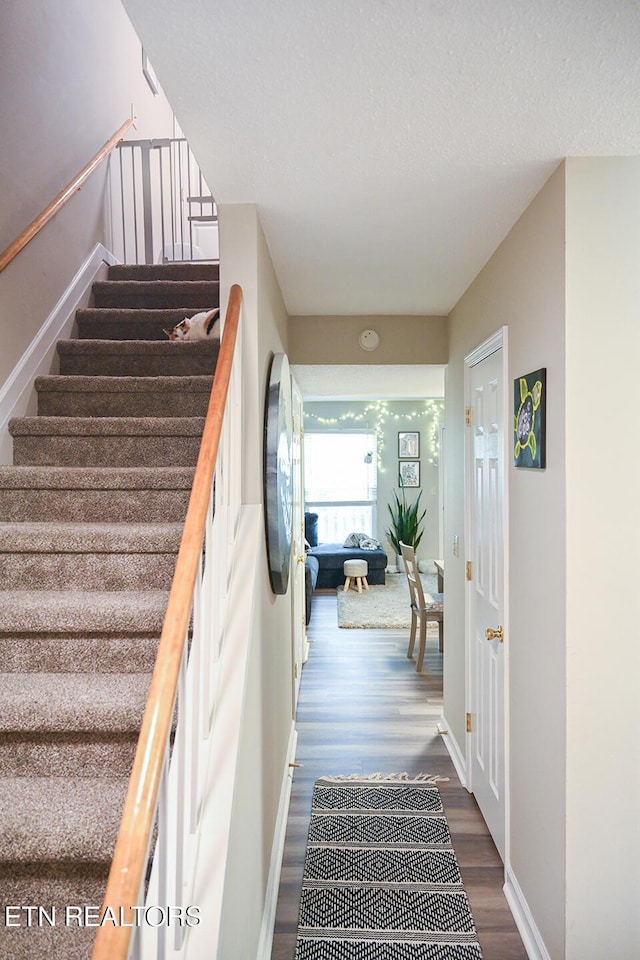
<point x="364" y="709"/>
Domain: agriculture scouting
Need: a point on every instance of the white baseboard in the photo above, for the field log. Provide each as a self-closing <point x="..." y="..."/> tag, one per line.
<point x="456" y="754"/>
<point x="16" y="391"/>
<point x="275" y="867"/>
<point x="533" y="942"/>
<point x="531" y="938"/>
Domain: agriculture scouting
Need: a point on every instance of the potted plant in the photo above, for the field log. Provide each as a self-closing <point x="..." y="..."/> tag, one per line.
<point x="406" y="524"/>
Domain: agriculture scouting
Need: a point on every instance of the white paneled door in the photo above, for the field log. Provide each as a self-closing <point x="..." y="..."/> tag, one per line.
<point x="486" y="597"/>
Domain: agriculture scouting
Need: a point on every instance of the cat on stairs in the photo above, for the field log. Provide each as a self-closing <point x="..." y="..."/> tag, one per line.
<point x="202" y="326"/>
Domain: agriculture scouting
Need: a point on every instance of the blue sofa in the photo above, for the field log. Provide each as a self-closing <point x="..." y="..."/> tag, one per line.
<point x="311" y="569"/>
<point x="331" y="557"/>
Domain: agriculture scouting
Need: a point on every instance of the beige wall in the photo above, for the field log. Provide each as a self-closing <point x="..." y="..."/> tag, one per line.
<point x="603" y="530"/>
<point x="522" y="287"/>
<point x="268" y="710"/>
<point x="320" y="340"/>
<point x="566" y="284"/>
<point x="69" y="71"/>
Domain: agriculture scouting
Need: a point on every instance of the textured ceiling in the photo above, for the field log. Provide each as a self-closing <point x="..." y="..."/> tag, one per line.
<point x="391" y="144"/>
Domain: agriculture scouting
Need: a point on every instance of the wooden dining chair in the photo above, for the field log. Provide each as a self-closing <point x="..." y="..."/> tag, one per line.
<point x="424" y="607"/>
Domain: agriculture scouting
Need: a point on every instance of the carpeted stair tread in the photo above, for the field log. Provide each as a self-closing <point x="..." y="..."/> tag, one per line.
<point x="106" y="426"/>
<point x="139" y="358"/>
<point x="90" y="537"/>
<point x="110" y="396"/>
<point x="106" y="441"/>
<point x="78" y="653"/>
<point x="91" y="571"/>
<point x="77" y="612"/>
<point x="78" y="703"/>
<point x="122" y="324"/>
<point x="85" y="754"/>
<point x="101" y="384"/>
<point x="150" y="348"/>
<point x="93" y="478"/>
<point x="156" y="293"/>
<point x="187" y="270"/>
<point x="82" y="494"/>
<point x="80" y="826"/>
<point x="88" y="556"/>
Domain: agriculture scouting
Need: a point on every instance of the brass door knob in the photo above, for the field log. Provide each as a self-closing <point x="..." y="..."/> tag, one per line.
<point x="494" y="634"/>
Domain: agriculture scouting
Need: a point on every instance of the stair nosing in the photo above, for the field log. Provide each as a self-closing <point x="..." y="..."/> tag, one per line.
<point x="96" y="345"/>
<point x="15" y="477"/>
<point x="35" y="703"/>
<point x="105" y="426"/>
<point x="112" y="284"/>
<point x="71" y="612"/>
<point x="47" y="537"/>
<point x="133" y="313"/>
<point x="105" y="383"/>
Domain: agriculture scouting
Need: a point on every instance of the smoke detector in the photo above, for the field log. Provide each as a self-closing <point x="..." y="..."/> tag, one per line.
<point x="369" y="339"/>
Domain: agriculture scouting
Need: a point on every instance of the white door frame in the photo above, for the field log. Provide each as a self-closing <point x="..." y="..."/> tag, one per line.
<point x="298" y="556"/>
<point x="441" y="474"/>
<point x="498" y="341"/>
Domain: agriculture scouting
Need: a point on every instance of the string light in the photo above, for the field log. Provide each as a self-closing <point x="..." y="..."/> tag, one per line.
<point x="379" y="412"/>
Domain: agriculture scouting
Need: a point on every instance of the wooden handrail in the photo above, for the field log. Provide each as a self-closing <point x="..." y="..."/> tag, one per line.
<point x="56" y="205"/>
<point x="130" y="854"/>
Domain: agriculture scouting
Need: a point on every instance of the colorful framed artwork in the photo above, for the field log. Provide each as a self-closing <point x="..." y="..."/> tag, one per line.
<point x="409" y="473"/>
<point x="409" y="445"/>
<point x="529" y="420"/>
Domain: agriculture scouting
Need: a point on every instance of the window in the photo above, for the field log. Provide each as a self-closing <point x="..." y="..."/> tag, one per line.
<point x="340" y="483"/>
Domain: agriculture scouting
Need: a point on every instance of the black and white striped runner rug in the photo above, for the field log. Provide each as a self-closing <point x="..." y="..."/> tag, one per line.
<point x="381" y="880"/>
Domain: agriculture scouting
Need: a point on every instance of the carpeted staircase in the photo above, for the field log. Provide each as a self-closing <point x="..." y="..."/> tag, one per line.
<point x="91" y="516"/>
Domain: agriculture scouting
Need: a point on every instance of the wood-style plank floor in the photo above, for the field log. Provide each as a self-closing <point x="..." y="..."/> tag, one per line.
<point x="362" y="709"/>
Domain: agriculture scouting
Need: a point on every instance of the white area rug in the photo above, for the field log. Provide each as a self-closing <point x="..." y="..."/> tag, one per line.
<point x="381" y="606"/>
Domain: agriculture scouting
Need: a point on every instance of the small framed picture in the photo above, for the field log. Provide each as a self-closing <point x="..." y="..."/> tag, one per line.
<point x="529" y="420"/>
<point x="409" y="473"/>
<point x="408" y="445"/>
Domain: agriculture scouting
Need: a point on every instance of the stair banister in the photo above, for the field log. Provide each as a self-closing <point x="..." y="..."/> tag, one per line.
<point x="127" y="874"/>
<point x="58" y="203"/>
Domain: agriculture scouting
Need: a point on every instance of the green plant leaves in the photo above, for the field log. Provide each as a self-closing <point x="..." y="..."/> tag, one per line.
<point x="405" y="522"/>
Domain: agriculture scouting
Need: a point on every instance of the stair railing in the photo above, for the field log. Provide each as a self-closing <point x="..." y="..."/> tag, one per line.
<point x="58" y="203"/>
<point x="179" y="714"/>
<point x="162" y="208"/>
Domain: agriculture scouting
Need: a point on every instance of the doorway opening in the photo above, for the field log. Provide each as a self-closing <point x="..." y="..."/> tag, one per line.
<point x="365" y="428"/>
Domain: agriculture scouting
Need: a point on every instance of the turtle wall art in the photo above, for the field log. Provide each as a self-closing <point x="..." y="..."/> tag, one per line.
<point x="529" y="419"/>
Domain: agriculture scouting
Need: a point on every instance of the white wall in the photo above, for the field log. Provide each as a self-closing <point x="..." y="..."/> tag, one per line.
<point x="268" y="707"/>
<point x="69" y="71"/>
<point x="522" y="286"/>
<point x="603" y="531"/>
